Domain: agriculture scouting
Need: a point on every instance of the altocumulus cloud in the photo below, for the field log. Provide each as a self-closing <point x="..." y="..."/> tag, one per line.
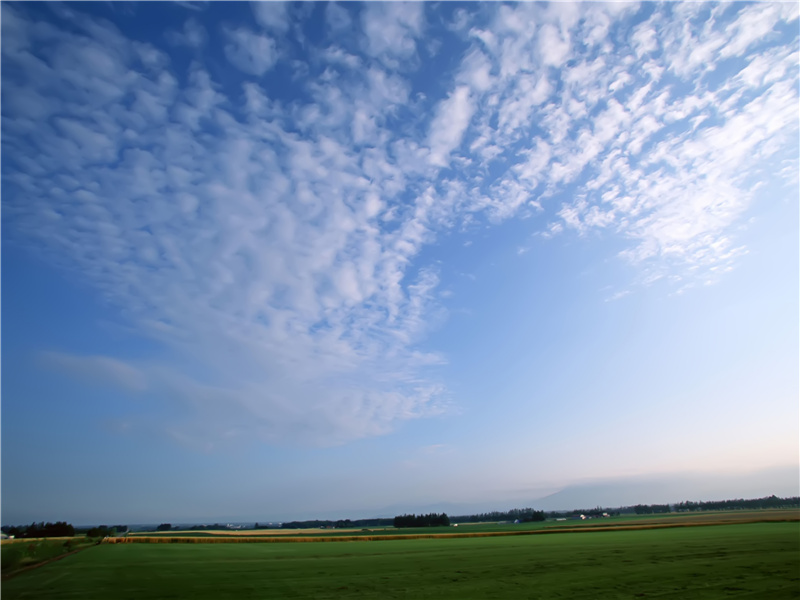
<point x="273" y="240"/>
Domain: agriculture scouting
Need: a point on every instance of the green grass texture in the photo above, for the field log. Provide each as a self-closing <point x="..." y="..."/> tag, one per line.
<point x="21" y="554"/>
<point x="760" y="560"/>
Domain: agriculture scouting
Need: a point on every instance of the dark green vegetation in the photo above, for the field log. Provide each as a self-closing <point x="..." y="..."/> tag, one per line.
<point x="18" y="555"/>
<point x="341" y="523"/>
<point x="60" y="529"/>
<point x="104" y="530"/>
<point x="523" y="515"/>
<point x="755" y="504"/>
<point x="429" y="520"/>
<point x="756" y="560"/>
<point x="40" y="530"/>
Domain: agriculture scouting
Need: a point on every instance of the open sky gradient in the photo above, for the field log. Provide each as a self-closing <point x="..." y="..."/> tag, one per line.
<point x="288" y="260"/>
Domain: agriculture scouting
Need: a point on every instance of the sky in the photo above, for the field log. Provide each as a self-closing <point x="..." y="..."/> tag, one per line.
<point x="285" y="261"/>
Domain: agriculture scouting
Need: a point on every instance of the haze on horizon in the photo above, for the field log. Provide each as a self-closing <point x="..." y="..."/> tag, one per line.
<point x="293" y="260"/>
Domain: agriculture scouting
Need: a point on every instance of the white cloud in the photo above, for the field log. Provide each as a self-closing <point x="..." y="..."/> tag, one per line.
<point x="644" y="39"/>
<point x="448" y="126"/>
<point x="250" y="52"/>
<point x="538" y="160"/>
<point x="517" y="107"/>
<point x="272" y="15"/>
<point x="338" y="56"/>
<point x="244" y="260"/>
<point x="282" y="256"/>
<point x="391" y="29"/>
<point x="475" y="71"/>
<point x="554" y="48"/>
<point x="752" y="25"/>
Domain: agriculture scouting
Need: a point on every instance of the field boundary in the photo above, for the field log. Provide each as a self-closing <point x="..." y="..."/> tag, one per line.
<point x="422" y="536"/>
<point x="16" y="572"/>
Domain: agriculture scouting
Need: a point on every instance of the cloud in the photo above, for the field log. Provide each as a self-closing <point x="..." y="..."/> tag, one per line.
<point x="194" y="35"/>
<point x="752" y="25"/>
<point x="451" y="121"/>
<point x="297" y="268"/>
<point x="273" y="16"/>
<point x="250" y="52"/>
<point x="337" y="17"/>
<point x="98" y="369"/>
<point x="612" y="158"/>
<point x="338" y="56"/>
<point x="553" y="47"/>
<point x="273" y="243"/>
<point x="391" y="29"/>
<point x="644" y="39"/>
<point x="197" y="5"/>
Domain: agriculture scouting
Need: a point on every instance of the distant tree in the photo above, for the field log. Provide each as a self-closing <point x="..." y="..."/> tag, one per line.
<point x="101" y="531"/>
<point x="315" y="524"/>
<point x="752" y="504"/>
<point x="534" y="515"/>
<point x="429" y="520"/>
<point x="37" y="530"/>
<point x="343" y="524"/>
<point x="164" y="527"/>
<point x="515" y="514"/>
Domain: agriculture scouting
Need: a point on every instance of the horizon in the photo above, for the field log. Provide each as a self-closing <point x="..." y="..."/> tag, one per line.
<point x="226" y="522"/>
<point x="287" y="258"/>
<point x="451" y="508"/>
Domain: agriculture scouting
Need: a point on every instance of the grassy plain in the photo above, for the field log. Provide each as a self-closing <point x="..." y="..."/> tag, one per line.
<point x="751" y="560"/>
<point x="16" y="555"/>
<point x="475" y="529"/>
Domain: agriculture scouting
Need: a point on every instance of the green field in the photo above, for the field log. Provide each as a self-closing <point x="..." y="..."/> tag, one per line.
<point x="760" y="560"/>
<point x="464" y="529"/>
<point x="16" y="555"/>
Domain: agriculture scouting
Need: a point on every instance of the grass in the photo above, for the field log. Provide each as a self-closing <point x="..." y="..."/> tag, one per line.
<point x="755" y="560"/>
<point x="476" y="530"/>
<point x="23" y="553"/>
<point x="694" y="517"/>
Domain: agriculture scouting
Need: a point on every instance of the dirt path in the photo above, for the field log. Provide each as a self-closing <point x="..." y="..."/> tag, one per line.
<point x="16" y="572"/>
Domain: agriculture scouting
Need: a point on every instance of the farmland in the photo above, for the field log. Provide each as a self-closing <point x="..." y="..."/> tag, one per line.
<point x="627" y="522"/>
<point x="747" y="560"/>
<point x="18" y="555"/>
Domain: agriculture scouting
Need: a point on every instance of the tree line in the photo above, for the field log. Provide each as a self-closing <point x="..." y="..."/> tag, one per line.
<point x="651" y="509"/>
<point x="429" y="520"/>
<point x="39" y="530"/>
<point x="64" y="529"/>
<point x="523" y="515"/>
<point x="103" y="530"/>
<point x="688" y="506"/>
<point x="753" y="504"/>
<point x="340" y="524"/>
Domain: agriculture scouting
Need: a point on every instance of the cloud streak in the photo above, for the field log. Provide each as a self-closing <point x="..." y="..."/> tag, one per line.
<point x="273" y="242"/>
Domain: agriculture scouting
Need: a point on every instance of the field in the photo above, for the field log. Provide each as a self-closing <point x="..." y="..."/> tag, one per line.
<point x="746" y="560"/>
<point x="18" y="555"/>
<point x="469" y="529"/>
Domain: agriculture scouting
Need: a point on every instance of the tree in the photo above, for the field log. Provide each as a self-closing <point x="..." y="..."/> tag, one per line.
<point x="101" y="531"/>
<point x="164" y="527"/>
<point x="429" y="520"/>
<point x="38" y="530"/>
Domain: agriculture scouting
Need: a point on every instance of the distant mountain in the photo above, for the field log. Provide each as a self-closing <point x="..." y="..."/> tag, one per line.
<point x="670" y="489"/>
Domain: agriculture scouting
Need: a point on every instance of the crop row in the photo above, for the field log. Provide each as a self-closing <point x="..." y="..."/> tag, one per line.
<point x="419" y="536"/>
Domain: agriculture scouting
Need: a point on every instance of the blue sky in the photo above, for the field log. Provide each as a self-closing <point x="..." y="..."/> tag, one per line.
<point x="280" y="261"/>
